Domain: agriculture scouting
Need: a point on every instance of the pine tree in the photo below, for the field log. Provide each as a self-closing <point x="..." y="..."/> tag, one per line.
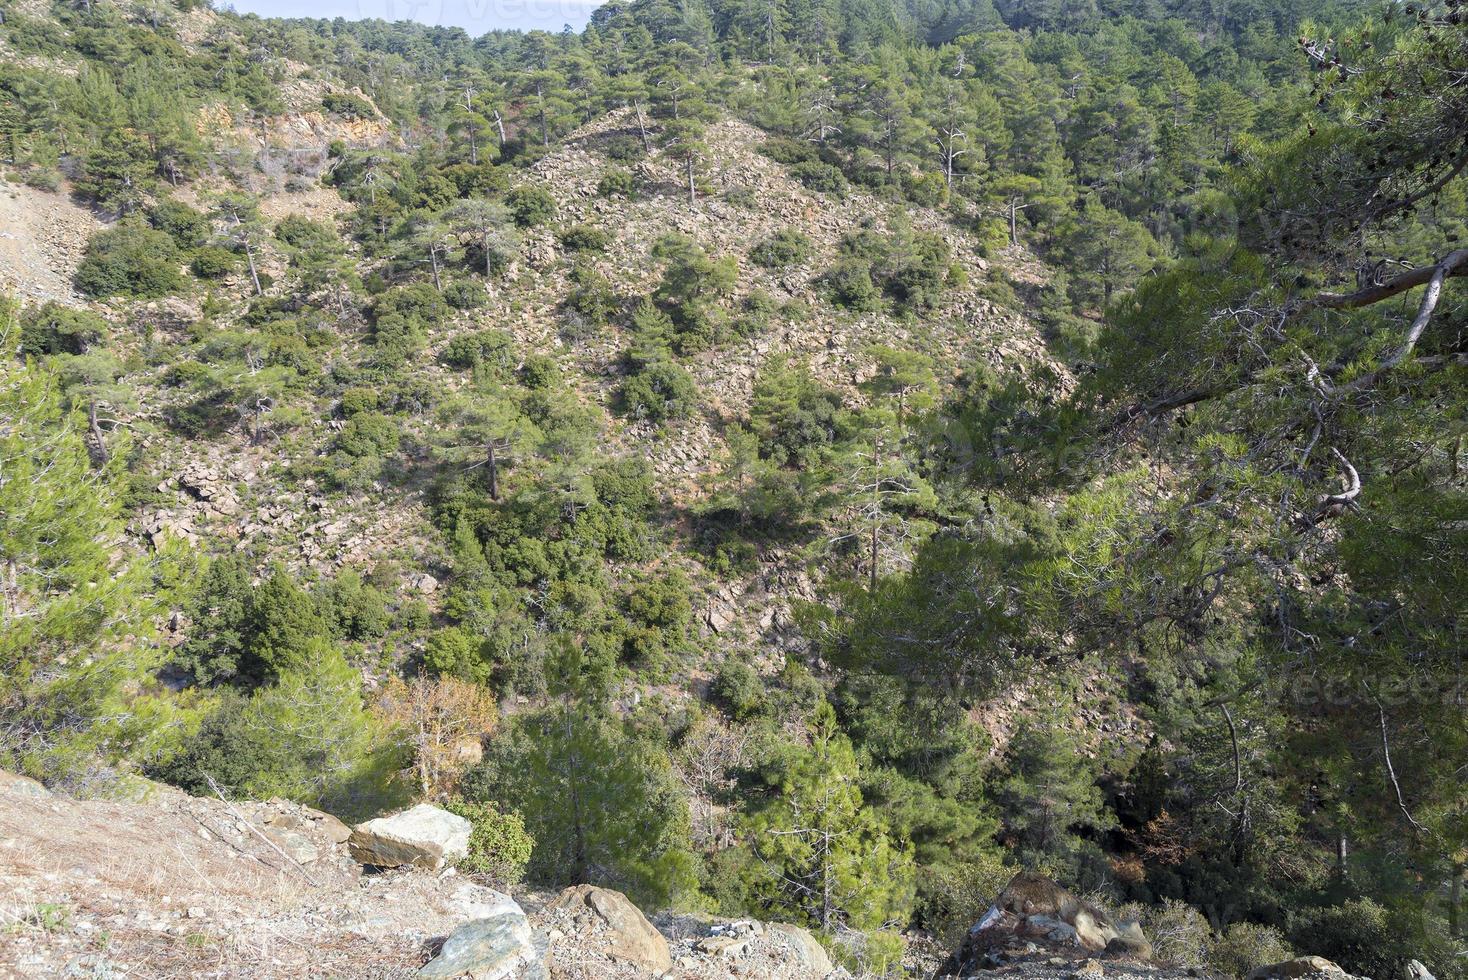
<point x="827" y="860"/>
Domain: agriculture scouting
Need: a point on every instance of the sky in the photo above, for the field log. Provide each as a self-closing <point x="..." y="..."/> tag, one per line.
<point x="475" y="16"/>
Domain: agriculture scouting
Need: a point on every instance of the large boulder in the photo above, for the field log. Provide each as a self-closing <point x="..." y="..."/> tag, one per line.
<point x="1300" y="966"/>
<point x="804" y="947"/>
<point x="629" y="937"/>
<point x="501" y="947"/>
<point x="425" y="836"/>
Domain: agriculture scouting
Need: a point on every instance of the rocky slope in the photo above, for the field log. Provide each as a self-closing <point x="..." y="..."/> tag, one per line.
<point x="162" y="884"/>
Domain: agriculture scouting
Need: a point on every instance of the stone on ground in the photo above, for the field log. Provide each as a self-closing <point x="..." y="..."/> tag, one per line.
<point x="631" y="938"/>
<point x="805" y="947"/>
<point x="1301" y="966"/>
<point x="501" y="947"/>
<point x="424" y="837"/>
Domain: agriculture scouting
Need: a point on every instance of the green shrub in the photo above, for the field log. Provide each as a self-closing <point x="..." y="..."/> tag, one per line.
<point x="357" y="400"/>
<point x="1246" y="947"/>
<point x="499" y="846"/>
<point x="495" y="348"/>
<point x="186" y="226"/>
<point x="738" y="690"/>
<point x="660" y="392"/>
<point x="617" y="183"/>
<point x="1179" y="933"/>
<point x="850" y="285"/>
<point x="347" y="104"/>
<point x="130" y="260"/>
<point x="784" y="150"/>
<point x="624" y="148"/>
<point x="213" y="262"/>
<point x="369" y="434"/>
<point x="821" y="177"/>
<point x="584" y="238"/>
<point x="531" y="205"/>
<point x="464" y="294"/>
<point x="55" y="329"/>
<point x="784" y="248"/>
<point x="307" y="235"/>
<point x="1364" y="937"/>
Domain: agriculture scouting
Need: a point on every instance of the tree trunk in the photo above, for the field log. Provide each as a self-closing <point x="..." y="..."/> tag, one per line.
<point x="499" y="123"/>
<point x="692" y="194"/>
<point x="250" y="258"/>
<point x="97" y="438"/>
<point x="492" y="464"/>
<point x="642" y="129"/>
<point x="1455" y="901"/>
<point x="433" y="257"/>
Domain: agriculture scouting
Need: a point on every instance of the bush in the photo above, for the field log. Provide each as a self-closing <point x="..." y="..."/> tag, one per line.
<point x="186" y="226"/>
<point x="1363" y="937"/>
<point x="130" y="260"/>
<point x="493" y="347"/>
<point x="821" y="177"/>
<point x="213" y="262"/>
<point x="369" y="435"/>
<point x="1179" y="933"/>
<point x="584" y="238"/>
<point x="499" y="846"/>
<point x="784" y="150"/>
<point x="738" y="690"/>
<point x="624" y="148"/>
<point x="617" y="183"/>
<point x="348" y="104"/>
<point x="659" y="392"/>
<point x="1246" y="947"/>
<point x="850" y="285"/>
<point x="56" y="329"/>
<point x="307" y="235"/>
<point x="464" y="294"/>
<point x="784" y="248"/>
<point x="531" y="205"/>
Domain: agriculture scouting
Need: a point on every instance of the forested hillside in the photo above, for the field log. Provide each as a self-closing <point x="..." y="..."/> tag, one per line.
<point x="786" y="458"/>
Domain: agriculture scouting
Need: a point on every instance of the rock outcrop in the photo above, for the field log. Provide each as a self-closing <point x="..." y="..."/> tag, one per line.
<point x="628" y="936"/>
<point x="1034" y="913"/>
<point x="1300" y="966"/>
<point x="425" y="836"/>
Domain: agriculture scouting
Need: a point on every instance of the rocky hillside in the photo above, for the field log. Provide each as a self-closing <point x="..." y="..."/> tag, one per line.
<point x="165" y="884"/>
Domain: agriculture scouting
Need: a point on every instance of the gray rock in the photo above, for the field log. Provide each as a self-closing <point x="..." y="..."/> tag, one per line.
<point x="16" y="785"/>
<point x="1415" y="970"/>
<point x="1302" y="966"/>
<point x="497" y="948"/>
<point x="424" y="836"/>
<point x="804" y="946"/>
<point x="630" y="937"/>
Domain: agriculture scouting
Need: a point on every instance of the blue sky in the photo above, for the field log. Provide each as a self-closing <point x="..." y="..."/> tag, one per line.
<point x="475" y="16"/>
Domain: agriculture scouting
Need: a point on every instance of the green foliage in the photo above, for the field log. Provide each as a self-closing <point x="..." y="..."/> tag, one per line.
<point x="818" y="176"/>
<point x="659" y="392"/>
<point x="617" y="183"/>
<point x="584" y="238"/>
<point x="56" y="329"/>
<point x="1246" y="946"/>
<point x="307" y="737"/>
<point x="601" y="806"/>
<point x="348" y="104"/>
<point x="213" y="262"/>
<point x="531" y="206"/>
<point x="1366" y="938"/>
<point x="186" y="226"/>
<point x="786" y="247"/>
<point x="1049" y="798"/>
<point x="738" y="690"/>
<point x="499" y="846"/>
<point x="130" y="260"/>
<point x="821" y="857"/>
<point x="73" y="667"/>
